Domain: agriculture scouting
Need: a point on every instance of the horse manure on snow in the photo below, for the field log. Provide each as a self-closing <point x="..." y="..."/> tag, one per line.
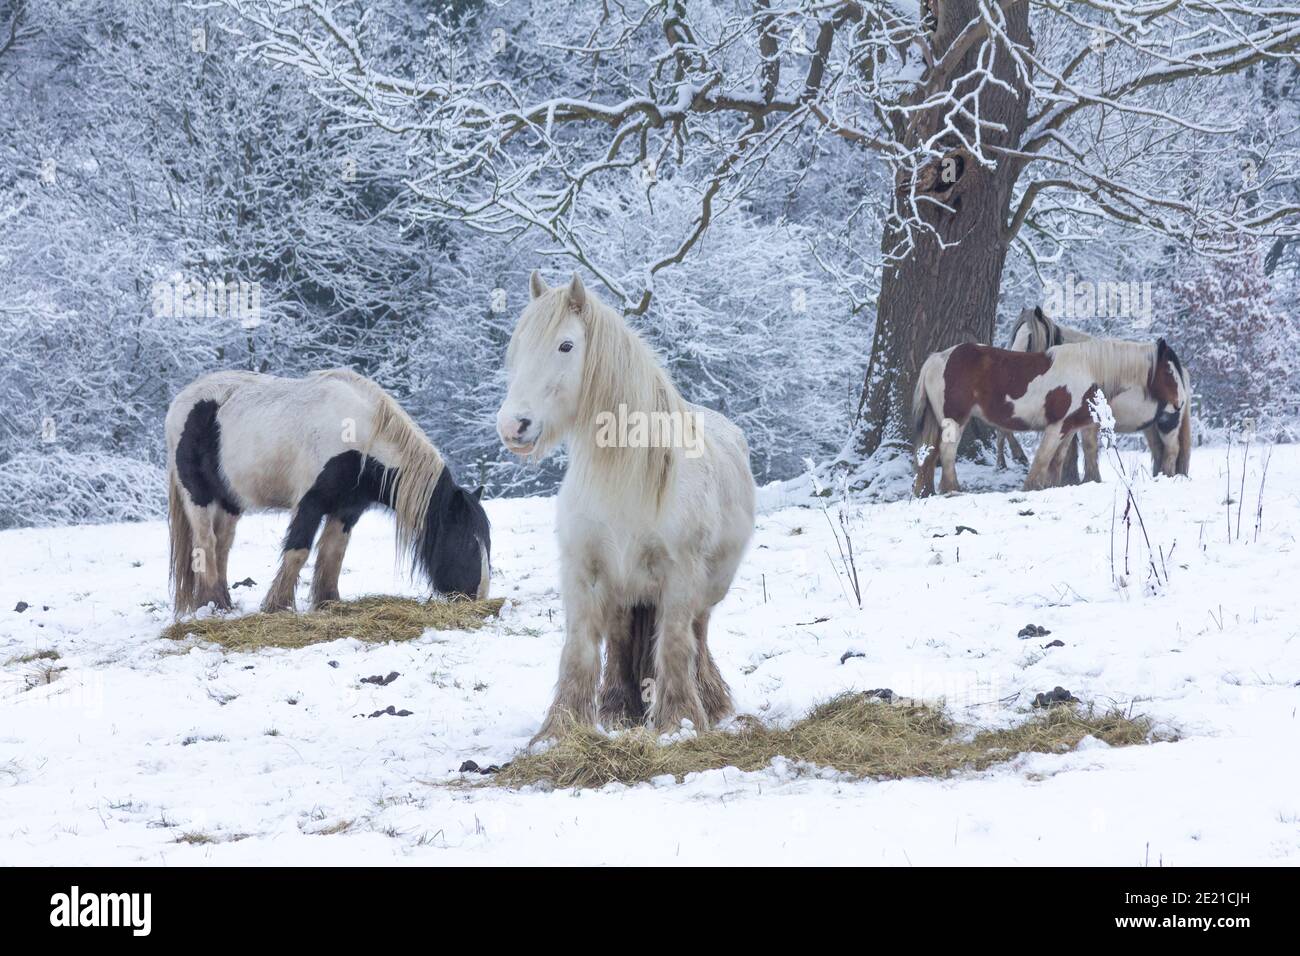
<point x="371" y="619"/>
<point x="1055" y="697"/>
<point x="857" y="734"/>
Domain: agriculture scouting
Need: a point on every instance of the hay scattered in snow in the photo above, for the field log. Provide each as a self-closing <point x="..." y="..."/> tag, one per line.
<point x="855" y="734"/>
<point x="372" y="619"/>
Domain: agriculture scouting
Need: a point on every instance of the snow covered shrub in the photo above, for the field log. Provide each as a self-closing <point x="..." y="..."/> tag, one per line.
<point x="61" y="487"/>
<point x="1243" y="351"/>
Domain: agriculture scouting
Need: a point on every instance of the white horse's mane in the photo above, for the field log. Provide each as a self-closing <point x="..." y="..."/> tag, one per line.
<point x="618" y="369"/>
<point x="1045" y="331"/>
<point x="419" y="463"/>
<point x="1113" y="364"/>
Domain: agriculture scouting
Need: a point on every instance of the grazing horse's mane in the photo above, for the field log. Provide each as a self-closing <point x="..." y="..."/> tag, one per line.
<point x="419" y="464"/>
<point x="618" y="369"/>
<point x="1114" y="364"/>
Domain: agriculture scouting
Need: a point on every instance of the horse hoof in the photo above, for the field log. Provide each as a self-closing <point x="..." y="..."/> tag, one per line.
<point x="671" y="721"/>
<point x="618" y="716"/>
<point x="217" y="601"/>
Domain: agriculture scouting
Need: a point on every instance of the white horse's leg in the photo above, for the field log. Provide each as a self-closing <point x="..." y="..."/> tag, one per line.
<point x="714" y="692"/>
<point x="575" y="691"/>
<point x="1156" y="446"/>
<point x="677" y="690"/>
<point x="1040" y="471"/>
<point x="1002" y="449"/>
<point x="331" y="547"/>
<point x="629" y="658"/>
<point x="1168" y="464"/>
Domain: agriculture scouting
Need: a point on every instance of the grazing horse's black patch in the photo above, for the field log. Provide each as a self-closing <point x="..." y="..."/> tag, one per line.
<point x="455" y="529"/>
<point x="344" y="489"/>
<point x="198" y="458"/>
<point x="447" y="551"/>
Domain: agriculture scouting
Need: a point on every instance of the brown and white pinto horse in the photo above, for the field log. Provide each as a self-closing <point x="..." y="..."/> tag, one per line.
<point x="1144" y="383"/>
<point x="1035" y="331"/>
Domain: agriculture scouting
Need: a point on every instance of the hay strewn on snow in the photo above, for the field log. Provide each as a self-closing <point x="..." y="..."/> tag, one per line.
<point x="853" y="733"/>
<point x="372" y="619"/>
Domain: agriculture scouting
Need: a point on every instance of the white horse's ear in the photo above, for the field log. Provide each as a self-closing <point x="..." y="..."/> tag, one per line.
<point x="577" y="293"/>
<point x="536" y="284"/>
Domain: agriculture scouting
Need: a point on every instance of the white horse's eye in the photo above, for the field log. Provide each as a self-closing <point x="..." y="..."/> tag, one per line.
<point x="566" y="346"/>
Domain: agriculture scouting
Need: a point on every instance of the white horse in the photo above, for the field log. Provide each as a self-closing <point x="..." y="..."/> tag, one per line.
<point x="1035" y="331"/>
<point x="654" y="514"/>
<point x="326" y="446"/>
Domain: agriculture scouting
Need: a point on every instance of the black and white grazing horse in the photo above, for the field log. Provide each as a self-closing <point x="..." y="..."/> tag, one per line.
<point x="327" y="446"/>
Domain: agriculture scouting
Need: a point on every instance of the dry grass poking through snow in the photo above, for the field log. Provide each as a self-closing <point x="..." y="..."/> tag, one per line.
<point x="371" y="619"/>
<point x="853" y="733"/>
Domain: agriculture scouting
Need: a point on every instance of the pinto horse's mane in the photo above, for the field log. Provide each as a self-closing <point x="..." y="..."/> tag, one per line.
<point x="619" y="369"/>
<point x="418" y="463"/>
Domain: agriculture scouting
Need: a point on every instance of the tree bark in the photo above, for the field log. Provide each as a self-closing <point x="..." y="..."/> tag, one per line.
<point x="944" y="290"/>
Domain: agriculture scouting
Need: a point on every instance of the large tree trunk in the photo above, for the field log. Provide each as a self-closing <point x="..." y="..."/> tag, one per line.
<point x="944" y="289"/>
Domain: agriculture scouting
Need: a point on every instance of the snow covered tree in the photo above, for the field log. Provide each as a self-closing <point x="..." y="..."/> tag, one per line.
<point x="145" y="166"/>
<point x="989" y="133"/>
<point x="776" y="196"/>
<point x="147" y="171"/>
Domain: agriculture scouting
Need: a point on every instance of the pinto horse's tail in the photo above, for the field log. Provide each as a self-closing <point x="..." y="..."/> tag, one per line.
<point x="926" y="430"/>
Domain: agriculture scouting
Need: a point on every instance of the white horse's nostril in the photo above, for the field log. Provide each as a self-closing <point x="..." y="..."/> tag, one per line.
<point x="517" y="431"/>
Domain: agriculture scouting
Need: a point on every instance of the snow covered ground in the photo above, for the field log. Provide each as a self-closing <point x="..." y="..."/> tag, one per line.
<point x="138" y="740"/>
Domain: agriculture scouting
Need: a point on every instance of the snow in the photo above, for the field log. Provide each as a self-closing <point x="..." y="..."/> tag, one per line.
<point x="273" y="754"/>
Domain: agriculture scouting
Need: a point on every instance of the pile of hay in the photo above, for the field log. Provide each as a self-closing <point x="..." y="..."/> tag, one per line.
<point x="857" y="734"/>
<point x="372" y="619"/>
